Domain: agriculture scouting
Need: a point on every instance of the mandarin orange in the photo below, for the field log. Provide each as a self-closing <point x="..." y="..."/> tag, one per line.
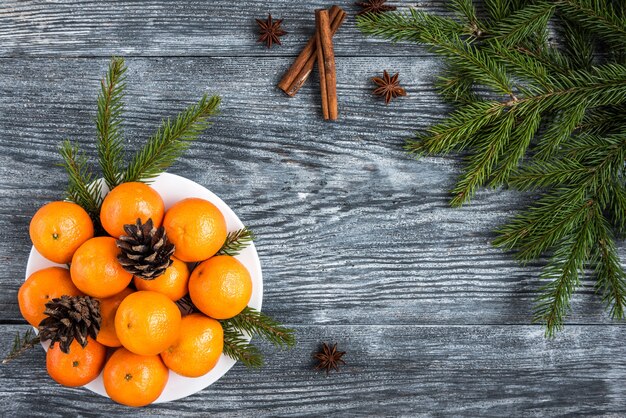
<point x="134" y="380"/>
<point x="198" y="348"/>
<point x="147" y="322"/>
<point x="108" y="308"/>
<point x="58" y="229"/>
<point x="41" y="287"/>
<point x="95" y="269"/>
<point x="78" y="367"/>
<point x="196" y="227"/>
<point x="127" y="202"/>
<point x="172" y="283"/>
<point x="220" y="287"/>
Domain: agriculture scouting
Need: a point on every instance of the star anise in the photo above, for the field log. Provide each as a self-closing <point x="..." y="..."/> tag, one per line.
<point x="329" y="358"/>
<point x="270" y="31"/>
<point x="389" y="87"/>
<point x="374" y="6"/>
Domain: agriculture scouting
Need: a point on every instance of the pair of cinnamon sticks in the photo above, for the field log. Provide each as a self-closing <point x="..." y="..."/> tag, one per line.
<point x="319" y="48"/>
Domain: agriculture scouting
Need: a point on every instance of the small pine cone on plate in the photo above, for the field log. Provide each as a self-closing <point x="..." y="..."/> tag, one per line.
<point x="145" y="250"/>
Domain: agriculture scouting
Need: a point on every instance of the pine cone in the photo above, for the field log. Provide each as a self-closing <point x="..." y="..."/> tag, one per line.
<point x="146" y="251"/>
<point x="70" y="318"/>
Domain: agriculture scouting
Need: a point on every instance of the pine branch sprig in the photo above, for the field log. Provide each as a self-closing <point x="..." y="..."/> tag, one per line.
<point x="611" y="277"/>
<point x="523" y="23"/>
<point x="501" y="9"/>
<point x="108" y="122"/>
<point x="236" y="242"/>
<point x="83" y="187"/>
<point x="171" y="140"/>
<point x="564" y="271"/>
<point x="256" y="323"/>
<point x="540" y="115"/>
<point x="21" y="344"/>
<point x="237" y="347"/>
<point x="601" y="18"/>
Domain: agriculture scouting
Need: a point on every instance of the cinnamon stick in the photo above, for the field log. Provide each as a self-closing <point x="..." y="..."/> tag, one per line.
<point x="302" y="67"/>
<point x="320" y="66"/>
<point x="326" y="64"/>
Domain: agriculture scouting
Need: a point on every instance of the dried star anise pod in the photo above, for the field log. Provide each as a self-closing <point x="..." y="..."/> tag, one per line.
<point x="389" y="87"/>
<point x="374" y="6"/>
<point x="329" y="358"/>
<point x="270" y="31"/>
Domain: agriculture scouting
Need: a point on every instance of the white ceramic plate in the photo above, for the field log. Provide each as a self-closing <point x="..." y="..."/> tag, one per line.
<point x="173" y="188"/>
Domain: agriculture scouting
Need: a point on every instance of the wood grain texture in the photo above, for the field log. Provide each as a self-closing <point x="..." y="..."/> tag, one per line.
<point x="409" y="370"/>
<point x="357" y="241"/>
<point x="350" y="228"/>
<point x="183" y="28"/>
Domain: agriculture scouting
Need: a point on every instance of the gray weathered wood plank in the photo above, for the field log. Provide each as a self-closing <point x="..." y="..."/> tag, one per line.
<point x="356" y="239"/>
<point x="391" y="370"/>
<point x="350" y="228"/>
<point x="183" y="28"/>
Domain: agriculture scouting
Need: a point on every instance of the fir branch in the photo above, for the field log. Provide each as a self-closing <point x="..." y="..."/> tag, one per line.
<point x="611" y="277"/>
<point x="578" y="43"/>
<point x="603" y="120"/>
<point x="236" y="242"/>
<point x="108" y="121"/>
<point x="521" y="138"/>
<point x="544" y="223"/>
<point x="488" y="151"/>
<point x="554" y="125"/>
<point x="599" y="17"/>
<point x="240" y="349"/>
<point x="560" y="129"/>
<point x="414" y="26"/>
<point x="616" y="206"/>
<point x="83" y="188"/>
<point x="523" y="23"/>
<point x="522" y="65"/>
<point x="455" y="86"/>
<point x="256" y="323"/>
<point x="457" y="131"/>
<point x="565" y="269"/>
<point x="171" y="140"/>
<point x="550" y="58"/>
<point x="556" y="215"/>
<point x="501" y="9"/>
<point x="476" y="62"/>
<point x="22" y="344"/>
<point x="443" y="36"/>
<point x="553" y="173"/>
<point x="465" y="9"/>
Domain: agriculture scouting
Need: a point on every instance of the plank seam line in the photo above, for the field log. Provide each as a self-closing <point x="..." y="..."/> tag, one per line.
<point x="428" y="325"/>
<point x="40" y="57"/>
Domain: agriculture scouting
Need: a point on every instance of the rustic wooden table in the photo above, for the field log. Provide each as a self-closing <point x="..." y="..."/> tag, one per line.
<point x="357" y="241"/>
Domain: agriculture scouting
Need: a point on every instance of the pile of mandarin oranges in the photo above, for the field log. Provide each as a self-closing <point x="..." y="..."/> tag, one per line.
<point x="143" y="333"/>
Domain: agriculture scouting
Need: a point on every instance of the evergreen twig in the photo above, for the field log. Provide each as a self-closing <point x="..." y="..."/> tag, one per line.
<point x="239" y="348"/>
<point x="534" y="116"/>
<point x="236" y="242"/>
<point x="253" y="323"/>
<point x="171" y="140"/>
<point x="108" y="121"/>
<point x="21" y="344"/>
<point x="83" y="188"/>
<point x="256" y="323"/>
<point x="601" y="18"/>
<point x="610" y="273"/>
